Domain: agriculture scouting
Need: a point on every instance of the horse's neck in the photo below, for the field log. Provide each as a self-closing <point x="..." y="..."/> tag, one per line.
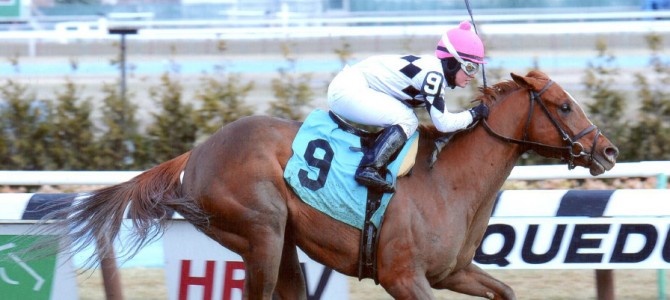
<point x="480" y="159"/>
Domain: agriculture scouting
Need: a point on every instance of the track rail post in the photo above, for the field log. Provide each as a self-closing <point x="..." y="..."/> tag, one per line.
<point x="111" y="278"/>
<point x="605" y="284"/>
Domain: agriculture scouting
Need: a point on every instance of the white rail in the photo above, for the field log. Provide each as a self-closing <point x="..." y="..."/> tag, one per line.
<point x="65" y="177"/>
<point x="353" y="26"/>
<point x="636" y="169"/>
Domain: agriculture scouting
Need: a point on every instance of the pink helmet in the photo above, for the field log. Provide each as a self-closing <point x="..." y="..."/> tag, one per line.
<point x="465" y="41"/>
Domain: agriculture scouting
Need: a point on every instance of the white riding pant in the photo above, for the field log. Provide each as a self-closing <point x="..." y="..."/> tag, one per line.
<point x="350" y="97"/>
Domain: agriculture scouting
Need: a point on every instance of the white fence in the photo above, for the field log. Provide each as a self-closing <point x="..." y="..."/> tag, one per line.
<point x="313" y="27"/>
<point x="542" y="172"/>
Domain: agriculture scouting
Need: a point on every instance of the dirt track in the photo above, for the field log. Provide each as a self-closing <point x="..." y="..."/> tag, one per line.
<point x="148" y="284"/>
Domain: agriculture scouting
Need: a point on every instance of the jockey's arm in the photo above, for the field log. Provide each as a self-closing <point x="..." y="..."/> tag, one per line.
<point x="446" y="121"/>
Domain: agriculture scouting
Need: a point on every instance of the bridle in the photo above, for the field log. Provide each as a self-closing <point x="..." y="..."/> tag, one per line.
<point x="572" y="149"/>
<point x="572" y="143"/>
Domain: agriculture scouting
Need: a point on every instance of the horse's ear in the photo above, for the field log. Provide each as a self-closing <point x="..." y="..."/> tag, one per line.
<point x="537" y="74"/>
<point x="520" y="80"/>
<point x="526" y="81"/>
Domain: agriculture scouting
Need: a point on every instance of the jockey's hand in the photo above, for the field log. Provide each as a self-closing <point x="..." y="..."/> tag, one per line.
<point x="479" y="112"/>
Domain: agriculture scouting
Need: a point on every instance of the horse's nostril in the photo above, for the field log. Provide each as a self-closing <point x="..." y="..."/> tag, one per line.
<point x="612" y="152"/>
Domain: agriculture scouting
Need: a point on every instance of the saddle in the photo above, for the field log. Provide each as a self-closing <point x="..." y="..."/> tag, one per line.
<point x="367" y="255"/>
<point x="326" y="152"/>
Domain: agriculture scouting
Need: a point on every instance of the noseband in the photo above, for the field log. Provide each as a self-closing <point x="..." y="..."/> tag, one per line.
<point x="572" y="149"/>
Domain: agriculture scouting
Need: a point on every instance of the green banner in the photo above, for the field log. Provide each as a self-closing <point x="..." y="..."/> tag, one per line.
<point x="22" y="277"/>
<point x="10" y="8"/>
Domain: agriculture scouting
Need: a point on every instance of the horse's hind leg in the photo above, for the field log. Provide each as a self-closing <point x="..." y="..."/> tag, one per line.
<point x="474" y="281"/>
<point x="262" y="263"/>
<point x="264" y="227"/>
<point x="291" y="282"/>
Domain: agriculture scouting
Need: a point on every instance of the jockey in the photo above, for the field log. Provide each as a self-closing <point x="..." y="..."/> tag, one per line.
<point x="383" y="90"/>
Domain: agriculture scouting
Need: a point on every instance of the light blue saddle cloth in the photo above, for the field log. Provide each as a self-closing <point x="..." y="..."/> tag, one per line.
<point x="321" y="170"/>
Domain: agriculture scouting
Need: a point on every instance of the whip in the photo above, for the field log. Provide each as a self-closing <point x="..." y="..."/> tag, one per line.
<point x="472" y="19"/>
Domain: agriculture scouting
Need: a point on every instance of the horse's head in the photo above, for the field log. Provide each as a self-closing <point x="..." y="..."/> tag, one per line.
<point x="554" y="125"/>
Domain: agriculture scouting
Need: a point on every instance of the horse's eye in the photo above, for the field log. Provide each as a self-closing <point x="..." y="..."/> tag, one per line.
<point x="565" y="108"/>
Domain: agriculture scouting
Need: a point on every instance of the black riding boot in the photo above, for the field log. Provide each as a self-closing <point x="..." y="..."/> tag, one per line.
<point x="387" y="144"/>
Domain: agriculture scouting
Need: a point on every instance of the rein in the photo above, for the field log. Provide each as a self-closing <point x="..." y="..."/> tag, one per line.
<point x="573" y="148"/>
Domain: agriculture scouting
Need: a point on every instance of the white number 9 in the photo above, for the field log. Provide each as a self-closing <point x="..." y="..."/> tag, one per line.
<point x="432" y="84"/>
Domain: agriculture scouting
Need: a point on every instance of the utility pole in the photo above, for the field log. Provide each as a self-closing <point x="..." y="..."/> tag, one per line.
<point x="122" y="32"/>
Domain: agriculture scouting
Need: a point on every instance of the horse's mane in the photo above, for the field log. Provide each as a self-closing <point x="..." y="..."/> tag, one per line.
<point x="491" y="94"/>
<point x="487" y="95"/>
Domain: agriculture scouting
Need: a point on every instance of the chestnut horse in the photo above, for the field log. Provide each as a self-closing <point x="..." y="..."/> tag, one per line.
<point x="234" y="191"/>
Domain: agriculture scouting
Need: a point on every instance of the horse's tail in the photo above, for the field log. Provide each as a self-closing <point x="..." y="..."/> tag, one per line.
<point x="150" y="199"/>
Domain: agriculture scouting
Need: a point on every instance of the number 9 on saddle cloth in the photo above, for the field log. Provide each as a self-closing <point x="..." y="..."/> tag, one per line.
<point x="326" y="153"/>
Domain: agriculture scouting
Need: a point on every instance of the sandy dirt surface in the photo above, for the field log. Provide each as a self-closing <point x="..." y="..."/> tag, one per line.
<point x="149" y="284"/>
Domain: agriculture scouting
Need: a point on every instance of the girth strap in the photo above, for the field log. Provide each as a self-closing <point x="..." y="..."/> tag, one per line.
<point x="367" y="253"/>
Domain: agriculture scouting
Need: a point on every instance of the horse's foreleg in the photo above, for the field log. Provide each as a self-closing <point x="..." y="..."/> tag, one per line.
<point x="474" y="281"/>
<point x="406" y="285"/>
<point x="291" y="282"/>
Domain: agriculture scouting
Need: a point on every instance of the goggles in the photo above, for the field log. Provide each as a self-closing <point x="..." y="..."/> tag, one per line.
<point x="470" y="68"/>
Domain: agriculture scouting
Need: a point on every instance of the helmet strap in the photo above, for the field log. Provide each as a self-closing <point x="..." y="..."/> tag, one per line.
<point x="450" y="67"/>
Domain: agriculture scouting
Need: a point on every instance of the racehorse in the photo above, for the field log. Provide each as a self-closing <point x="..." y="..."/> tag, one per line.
<point x="232" y="189"/>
